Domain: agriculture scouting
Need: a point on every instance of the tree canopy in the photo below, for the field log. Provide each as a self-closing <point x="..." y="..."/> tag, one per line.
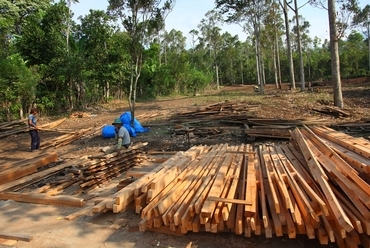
<point x="50" y="61"/>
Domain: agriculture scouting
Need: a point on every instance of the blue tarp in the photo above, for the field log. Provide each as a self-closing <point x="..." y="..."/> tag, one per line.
<point x="108" y="131"/>
<point x="126" y="120"/>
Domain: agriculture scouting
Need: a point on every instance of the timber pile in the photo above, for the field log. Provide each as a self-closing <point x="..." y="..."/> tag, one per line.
<point x="12" y="127"/>
<point x="362" y="126"/>
<point x="315" y="186"/>
<point x="70" y="136"/>
<point x="81" y="175"/>
<point x="333" y="111"/>
<point x="10" y="172"/>
<point x="21" y="126"/>
<point x="235" y="113"/>
<point x="94" y="172"/>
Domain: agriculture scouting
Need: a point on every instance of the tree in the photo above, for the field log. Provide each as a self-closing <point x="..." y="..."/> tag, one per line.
<point x="338" y="24"/>
<point x="95" y="32"/>
<point x="68" y="22"/>
<point x="43" y="45"/>
<point x="352" y="55"/>
<point x="284" y="7"/>
<point x="210" y="35"/>
<point x="140" y="18"/>
<point x="362" y="19"/>
<point x="251" y="14"/>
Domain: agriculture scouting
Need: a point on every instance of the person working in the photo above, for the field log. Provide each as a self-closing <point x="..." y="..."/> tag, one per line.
<point x="33" y="130"/>
<point x="122" y="137"/>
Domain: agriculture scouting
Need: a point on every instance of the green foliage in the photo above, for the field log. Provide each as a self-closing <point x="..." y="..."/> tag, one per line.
<point x="198" y="80"/>
<point x="102" y="63"/>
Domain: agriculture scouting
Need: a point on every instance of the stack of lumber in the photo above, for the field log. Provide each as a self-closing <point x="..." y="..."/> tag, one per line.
<point x="120" y="200"/>
<point x="313" y="187"/>
<point x="361" y="126"/>
<point x="12" y="127"/>
<point x="10" y="172"/>
<point x="21" y="126"/>
<point x="81" y="175"/>
<point x="101" y="171"/>
<point x="269" y="131"/>
<point x="70" y="136"/>
<point x="221" y="110"/>
<point x="91" y="173"/>
<point x="235" y="113"/>
<point x="333" y="111"/>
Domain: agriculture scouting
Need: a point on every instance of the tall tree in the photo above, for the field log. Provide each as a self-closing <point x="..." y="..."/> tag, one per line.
<point x="141" y="19"/>
<point x="250" y="15"/>
<point x="284" y="6"/>
<point x="69" y="21"/>
<point x="339" y="23"/>
<point x="95" y="31"/>
<point x="299" y="43"/>
<point x="362" y="19"/>
<point x="211" y="36"/>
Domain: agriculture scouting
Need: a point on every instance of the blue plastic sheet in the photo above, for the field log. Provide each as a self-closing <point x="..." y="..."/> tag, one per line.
<point x="138" y="128"/>
<point x="108" y="131"/>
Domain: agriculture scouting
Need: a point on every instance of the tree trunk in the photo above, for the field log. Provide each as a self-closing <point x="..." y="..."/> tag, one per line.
<point x="278" y="58"/>
<point x="368" y="36"/>
<point x="257" y="67"/>
<point x="289" y="47"/>
<point x="335" y="63"/>
<point x="217" y="78"/>
<point x="242" y="71"/>
<point x="301" y="65"/>
<point x="259" y="62"/>
<point x="275" y="66"/>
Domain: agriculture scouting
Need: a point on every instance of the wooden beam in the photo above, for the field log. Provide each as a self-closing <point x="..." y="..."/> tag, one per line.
<point x="61" y="200"/>
<point x="16" y="236"/>
<point x="321" y="178"/>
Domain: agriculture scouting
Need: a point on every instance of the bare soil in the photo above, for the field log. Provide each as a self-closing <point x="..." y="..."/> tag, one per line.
<point x="46" y="223"/>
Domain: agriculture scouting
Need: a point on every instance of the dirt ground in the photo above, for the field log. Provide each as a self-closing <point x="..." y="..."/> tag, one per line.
<point x="46" y="223"/>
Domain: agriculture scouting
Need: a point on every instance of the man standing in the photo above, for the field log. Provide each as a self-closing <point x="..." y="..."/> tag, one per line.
<point x="122" y="137"/>
<point x="33" y="130"/>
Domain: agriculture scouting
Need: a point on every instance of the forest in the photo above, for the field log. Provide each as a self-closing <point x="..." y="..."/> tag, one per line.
<point x="50" y="61"/>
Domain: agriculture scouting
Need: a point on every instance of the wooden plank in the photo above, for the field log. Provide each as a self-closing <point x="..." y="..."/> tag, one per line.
<point x="228" y="200"/>
<point x="268" y="163"/>
<point x="262" y="195"/>
<point x="277" y="175"/>
<point x="300" y="198"/>
<point x="42" y="199"/>
<point x="79" y="213"/>
<point x="191" y="208"/>
<point x="202" y="197"/>
<point x="330" y="166"/>
<point x="351" y="145"/>
<point x="239" y="217"/>
<point x="321" y="178"/>
<point x="233" y="187"/>
<point x="26" y="167"/>
<point x="16" y="236"/>
<point x="230" y="174"/>
<point x="40" y="175"/>
<point x="126" y="192"/>
<point x="192" y="174"/>
<point x="217" y="186"/>
<point x="275" y="219"/>
<point x="340" y="164"/>
<point x="251" y="185"/>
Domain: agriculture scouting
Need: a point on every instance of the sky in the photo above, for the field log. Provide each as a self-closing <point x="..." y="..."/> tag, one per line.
<point x="187" y="14"/>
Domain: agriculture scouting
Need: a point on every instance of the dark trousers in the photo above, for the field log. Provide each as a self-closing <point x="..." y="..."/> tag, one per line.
<point x="35" y="140"/>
